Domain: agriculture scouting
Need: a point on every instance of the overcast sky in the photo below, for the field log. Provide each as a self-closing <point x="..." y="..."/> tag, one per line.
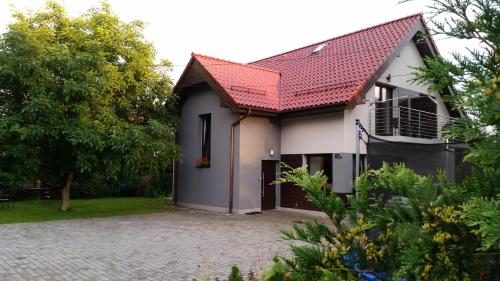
<point x="242" y="31"/>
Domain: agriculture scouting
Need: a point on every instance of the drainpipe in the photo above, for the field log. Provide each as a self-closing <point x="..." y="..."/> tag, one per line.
<point x="358" y="136"/>
<point x="231" y="161"/>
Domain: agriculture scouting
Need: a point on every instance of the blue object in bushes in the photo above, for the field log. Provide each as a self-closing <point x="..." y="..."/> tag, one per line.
<point x="351" y="260"/>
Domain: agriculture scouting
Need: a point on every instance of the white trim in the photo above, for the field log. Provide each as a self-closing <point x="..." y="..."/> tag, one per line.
<point x="302" y="211"/>
<point x="245" y="211"/>
<point x="409" y="139"/>
<point x="203" y="207"/>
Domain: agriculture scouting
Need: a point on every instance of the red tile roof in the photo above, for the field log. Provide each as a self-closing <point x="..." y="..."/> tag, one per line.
<point x="247" y="85"/>
<point x="301" y="79"/>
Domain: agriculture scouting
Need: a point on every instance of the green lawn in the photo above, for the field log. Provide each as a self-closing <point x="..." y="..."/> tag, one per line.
<point x="29" y="211"/>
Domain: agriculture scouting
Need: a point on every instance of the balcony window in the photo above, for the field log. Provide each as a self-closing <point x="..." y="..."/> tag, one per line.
<point x="383" y="108"/>
<point x="417" y="117"/>
<point x="403" y="112"/>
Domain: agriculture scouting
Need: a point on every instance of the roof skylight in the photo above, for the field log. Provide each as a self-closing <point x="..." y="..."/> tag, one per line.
<point x="319" y="48"/>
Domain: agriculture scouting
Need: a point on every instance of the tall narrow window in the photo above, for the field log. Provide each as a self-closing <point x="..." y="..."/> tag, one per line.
<point x="205" y="137"/>
<point x="383" y="111"/>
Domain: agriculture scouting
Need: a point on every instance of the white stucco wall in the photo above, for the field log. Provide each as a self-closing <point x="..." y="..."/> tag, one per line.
<point x="409" y="57"/>
<point x="361" y="112"/>
<point x="328" y="133"/>
<point x="313" y="134"/>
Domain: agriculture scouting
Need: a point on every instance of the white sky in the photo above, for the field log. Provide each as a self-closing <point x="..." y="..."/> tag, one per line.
<point x="242" y="31"/>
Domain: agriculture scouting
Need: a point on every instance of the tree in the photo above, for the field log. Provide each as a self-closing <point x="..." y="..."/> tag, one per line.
<point x="81" y="95"/>
<point x="474" y="75"/>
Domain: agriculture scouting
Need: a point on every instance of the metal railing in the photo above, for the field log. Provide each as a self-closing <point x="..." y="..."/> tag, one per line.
<point x="388" y="120"/>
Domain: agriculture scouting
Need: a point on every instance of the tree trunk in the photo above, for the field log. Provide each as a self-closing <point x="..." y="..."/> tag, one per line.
<point x="65" y="202"/>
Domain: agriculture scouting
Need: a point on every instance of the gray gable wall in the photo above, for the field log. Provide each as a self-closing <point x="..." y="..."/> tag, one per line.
<point x="207" y="187"/>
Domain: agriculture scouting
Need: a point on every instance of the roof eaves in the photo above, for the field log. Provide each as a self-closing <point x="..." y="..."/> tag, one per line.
<point x="432" y="42"/>
<point x="184" y="73"/>
<point x="218" y="86"/>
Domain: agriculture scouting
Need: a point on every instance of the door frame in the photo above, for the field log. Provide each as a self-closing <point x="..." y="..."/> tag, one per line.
<point x="275" y="162"/>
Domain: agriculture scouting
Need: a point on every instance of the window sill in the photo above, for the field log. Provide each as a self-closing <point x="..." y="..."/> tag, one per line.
<point x="201" y="167"/>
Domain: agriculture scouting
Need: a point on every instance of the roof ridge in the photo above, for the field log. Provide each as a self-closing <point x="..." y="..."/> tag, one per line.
<point x="340" y="36"/>
<point x="238" y="63"/>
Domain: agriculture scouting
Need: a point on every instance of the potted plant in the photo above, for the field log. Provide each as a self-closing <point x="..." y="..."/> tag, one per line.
<point x="203" y="162"/>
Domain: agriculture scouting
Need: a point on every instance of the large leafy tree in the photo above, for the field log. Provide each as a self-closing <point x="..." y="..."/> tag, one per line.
<point x="80" y="96"/>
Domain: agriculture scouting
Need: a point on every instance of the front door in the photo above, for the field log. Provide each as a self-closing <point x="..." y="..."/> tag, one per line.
<point x="268" y="188"/>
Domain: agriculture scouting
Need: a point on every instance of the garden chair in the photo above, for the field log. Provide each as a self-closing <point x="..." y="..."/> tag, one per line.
<point x="51" y="195"/>
<point x="4" y="199"/>
<point x="45" y="196"/>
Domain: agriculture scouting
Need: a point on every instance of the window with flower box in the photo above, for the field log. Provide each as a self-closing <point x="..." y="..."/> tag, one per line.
<point x="205" y="122"/>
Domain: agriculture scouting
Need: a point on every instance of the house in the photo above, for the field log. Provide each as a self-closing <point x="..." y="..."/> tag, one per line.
<point x="238" y="121"/>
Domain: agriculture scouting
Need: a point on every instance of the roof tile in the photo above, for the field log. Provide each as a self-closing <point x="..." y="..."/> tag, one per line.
<point x="302" y="79"/>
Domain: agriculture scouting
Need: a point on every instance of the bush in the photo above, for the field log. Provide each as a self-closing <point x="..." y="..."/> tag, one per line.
<point x="235" y="274"/>
<point x="124" y="185"/>
<point x="424" y="231"/>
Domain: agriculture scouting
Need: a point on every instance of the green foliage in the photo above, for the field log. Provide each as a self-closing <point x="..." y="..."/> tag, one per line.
<point x="483" y="214"/>
<point x="427" y="229"/>
<point x="280" y="271"/>
<point x="474" y="76"/>
<point x="82" y="96"/>
<point x="315" y="185"/>
<point x="235" y="274"/>
<point x="482" y="182"/>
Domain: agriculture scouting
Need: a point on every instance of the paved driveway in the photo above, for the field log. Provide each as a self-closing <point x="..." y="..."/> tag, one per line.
<point x="178" y="245"/>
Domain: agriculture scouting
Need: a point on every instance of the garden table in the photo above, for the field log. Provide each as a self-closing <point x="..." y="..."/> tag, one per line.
<point x="37" y="190"/>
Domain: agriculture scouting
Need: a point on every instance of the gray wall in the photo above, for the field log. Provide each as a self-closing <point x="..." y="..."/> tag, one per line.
<point x="342" y="164"/>
<point x="257" y="137"/>
<point x="205" y="186"/>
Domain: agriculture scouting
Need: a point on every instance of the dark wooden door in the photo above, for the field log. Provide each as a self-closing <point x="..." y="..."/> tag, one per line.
<point x="293" y="196"/>
<point x="268" y="188"/>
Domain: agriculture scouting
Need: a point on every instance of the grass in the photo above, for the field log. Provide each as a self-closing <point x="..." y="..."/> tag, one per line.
<point x="29" y="211"/>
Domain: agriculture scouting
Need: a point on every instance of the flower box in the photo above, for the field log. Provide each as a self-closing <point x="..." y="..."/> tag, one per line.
<point x="202" y="163"/>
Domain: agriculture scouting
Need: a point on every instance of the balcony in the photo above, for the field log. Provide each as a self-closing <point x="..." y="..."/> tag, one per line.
<point x="410" y="116"/>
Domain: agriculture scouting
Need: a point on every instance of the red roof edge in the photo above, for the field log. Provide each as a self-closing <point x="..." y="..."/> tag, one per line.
<point x="213" y="80"/>
<point x="343" y="35"/>
<point x="233" y="62"/>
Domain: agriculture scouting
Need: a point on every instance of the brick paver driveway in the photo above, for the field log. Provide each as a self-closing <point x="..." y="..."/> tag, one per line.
<point x="179" y="245"/>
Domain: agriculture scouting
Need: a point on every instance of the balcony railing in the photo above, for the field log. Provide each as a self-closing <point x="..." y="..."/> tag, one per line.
<point x="388" y="120"/>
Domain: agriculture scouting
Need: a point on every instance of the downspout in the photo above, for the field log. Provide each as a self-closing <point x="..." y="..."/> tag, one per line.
<point x="231" y="161"/>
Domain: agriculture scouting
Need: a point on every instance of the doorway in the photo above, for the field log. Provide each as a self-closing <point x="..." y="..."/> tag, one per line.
<point x="268" y="188"/>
